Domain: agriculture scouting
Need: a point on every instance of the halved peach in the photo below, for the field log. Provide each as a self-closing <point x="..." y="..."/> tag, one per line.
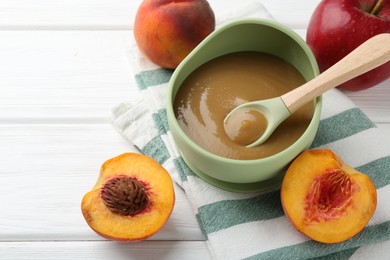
<point x="132" y="199"/>
<point x="326" y="199"/>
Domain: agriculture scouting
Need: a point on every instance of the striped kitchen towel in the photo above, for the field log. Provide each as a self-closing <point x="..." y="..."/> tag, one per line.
<point x="253" y="225"/>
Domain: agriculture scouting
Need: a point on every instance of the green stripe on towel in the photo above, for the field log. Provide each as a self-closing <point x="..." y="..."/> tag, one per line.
<point x="310" y="249"/>
<point x="346" y="254"/>
<point x="268" y="206"/>
<point x="263" y="207"/>
<point x="150" y="78"/>
<point x="156" y="149"/>
<point x="183" y="169"/>
<point x="377" y="171"/>
<point x="161" y="121"/>
<point x="340" y="126"/>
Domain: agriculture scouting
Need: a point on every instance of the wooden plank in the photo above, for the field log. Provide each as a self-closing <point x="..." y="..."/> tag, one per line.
<point x="46" y="170"/>
<point x="119" y="14"/>
<point x="295" y="14"/>
<point x="63" y="14"/>
<point x="64" y="74"/>
<point x="103" y="250"/>
<point x="374" y="102"/>
<point x="145" y="250"/>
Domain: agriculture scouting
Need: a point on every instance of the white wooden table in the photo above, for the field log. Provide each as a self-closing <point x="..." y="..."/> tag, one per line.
<point x="63" y="65"/>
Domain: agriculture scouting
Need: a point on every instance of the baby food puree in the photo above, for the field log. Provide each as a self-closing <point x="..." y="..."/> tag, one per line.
<point x="209" y="93"/>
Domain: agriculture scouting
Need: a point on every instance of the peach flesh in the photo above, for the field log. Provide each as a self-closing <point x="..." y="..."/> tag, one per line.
<point x="329" y="196"/>
<point x="325" y="198"/>
<point x="108" y="206"/>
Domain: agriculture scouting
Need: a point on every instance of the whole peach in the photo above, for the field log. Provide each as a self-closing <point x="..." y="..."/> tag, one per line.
<point x="167" y="30"/>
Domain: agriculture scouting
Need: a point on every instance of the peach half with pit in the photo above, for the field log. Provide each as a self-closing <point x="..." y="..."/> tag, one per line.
<point x="325" y="198"/>
<point x="131" y="200"/>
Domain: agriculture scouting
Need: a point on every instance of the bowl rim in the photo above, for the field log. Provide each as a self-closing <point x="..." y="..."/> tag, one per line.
<point x="257" y="21"/>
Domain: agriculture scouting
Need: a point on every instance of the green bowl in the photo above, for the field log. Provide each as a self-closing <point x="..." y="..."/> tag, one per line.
<point x="244" y="35"/>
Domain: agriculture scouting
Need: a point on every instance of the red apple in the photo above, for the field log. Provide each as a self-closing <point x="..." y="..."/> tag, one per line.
<point x="339" y="26"/>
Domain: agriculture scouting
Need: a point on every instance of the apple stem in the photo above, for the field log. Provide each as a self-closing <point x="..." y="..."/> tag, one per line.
<point x="376" y="7"/>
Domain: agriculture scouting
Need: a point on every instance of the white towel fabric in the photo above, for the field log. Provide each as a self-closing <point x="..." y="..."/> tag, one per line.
<point x="253" y="225"/>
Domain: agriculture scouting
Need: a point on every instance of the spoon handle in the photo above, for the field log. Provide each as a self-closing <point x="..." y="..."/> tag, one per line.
<point x="369" y="55"/>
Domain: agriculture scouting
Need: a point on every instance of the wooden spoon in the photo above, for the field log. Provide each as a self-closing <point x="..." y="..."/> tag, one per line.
<point x="369" y="55"/>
